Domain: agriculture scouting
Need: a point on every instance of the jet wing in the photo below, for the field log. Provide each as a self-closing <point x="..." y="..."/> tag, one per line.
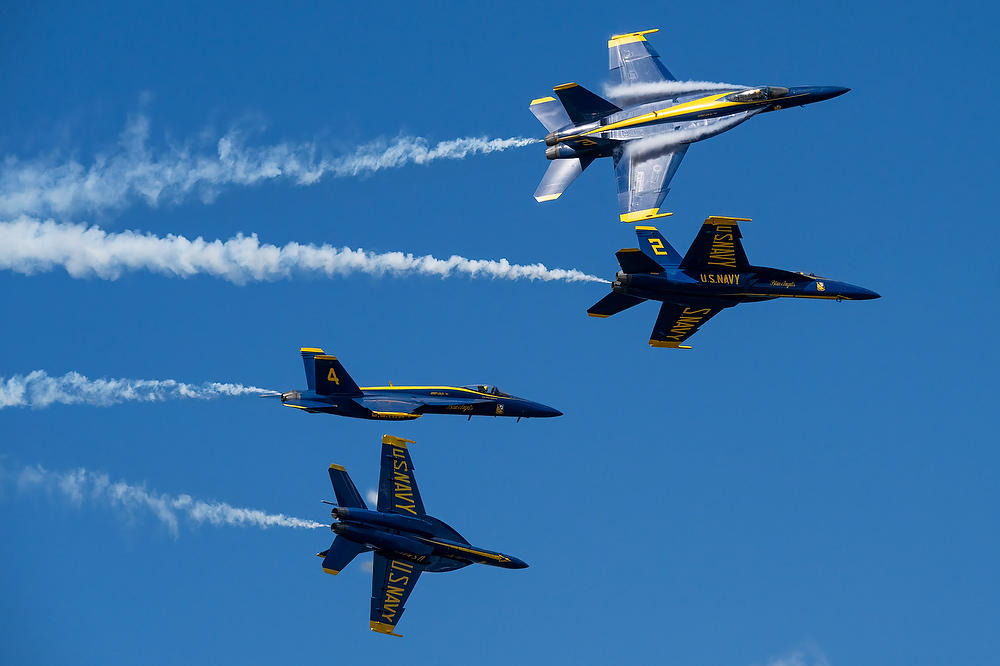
<point x="393" y="580"/>
<point x="397" y="488"/>
<point x="643" y="180"/>
<point x="678" y="322"/>
<point x="632" y="59"/>
<point x="718" y="245"/>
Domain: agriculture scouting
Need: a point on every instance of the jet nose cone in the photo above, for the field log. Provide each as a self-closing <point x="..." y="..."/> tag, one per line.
<point x="546" y="412"/>
<point x="820" y="93"/>
<point x="516" y="563"/>
<point x="866" y="294"/>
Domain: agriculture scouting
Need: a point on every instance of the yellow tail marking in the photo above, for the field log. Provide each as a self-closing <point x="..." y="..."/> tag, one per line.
<point x="542" y="100"/>
<point x="383" y="628"/>
<point x="668" y="345"/>
<point x="548" y="197"/>
<point x="316" y="350"/>
<point x="396" y="441"/>
<point x="629" y="37"/>
<point x="337" y="467"/>
<point x="639" y="215"/>
<point x="564" y="86"/>
<point x="719" y="219"/>
<point x="332" y="377"/>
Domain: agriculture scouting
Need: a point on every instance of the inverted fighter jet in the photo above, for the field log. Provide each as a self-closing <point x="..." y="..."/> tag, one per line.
<point x="406" y="541"/>
<point x="332" y="391"/>
<point x="649" y="127"/>
<point x="712" y="276"/>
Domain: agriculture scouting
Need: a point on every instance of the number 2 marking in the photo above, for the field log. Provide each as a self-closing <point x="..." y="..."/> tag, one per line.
<point x="657" y="246"/>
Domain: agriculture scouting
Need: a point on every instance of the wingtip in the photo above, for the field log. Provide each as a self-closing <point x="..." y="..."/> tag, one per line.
<point x="547" y="197"/>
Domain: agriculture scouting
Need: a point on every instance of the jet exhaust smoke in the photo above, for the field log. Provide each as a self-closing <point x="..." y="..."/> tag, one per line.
<point x="80" y="485"/>
<point x="134" y="171"/>
<point x="38" y="390"/>
<point x="30" y="246"/>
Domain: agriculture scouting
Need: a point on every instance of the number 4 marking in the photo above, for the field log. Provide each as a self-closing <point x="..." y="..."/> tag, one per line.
<point x="332" y="377"/>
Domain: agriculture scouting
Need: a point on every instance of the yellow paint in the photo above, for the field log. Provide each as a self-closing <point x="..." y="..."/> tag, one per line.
<point x="312" y="349"/>
<point x="428" y="388"/>
<point x="396" y="416"/>
<point x="590" y="314"/>
<point x="327" y="358"/>
<point x="649" y="228"/>
<point x="657" y="246"/>
<point x="285" y="404"/>
<point x="473" y="551"/>
<point x="383" y="628"/>
<point x="646" y="214"/>
<point x="542" y="100"/>
<point x="565" y="86"/>
<point x="337" y="467"/>
<point x="332" y="377"/>
<point x="718" y="219"/>
<point x="668" y="345"/>
<point x="330" y="571"/>
<point x="396" y="441"/>
<point x="628" y="38"/>
<point x="548" y="197"/>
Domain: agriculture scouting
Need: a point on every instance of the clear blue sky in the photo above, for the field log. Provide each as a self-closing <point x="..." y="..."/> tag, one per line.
<point x="812" y="478"/>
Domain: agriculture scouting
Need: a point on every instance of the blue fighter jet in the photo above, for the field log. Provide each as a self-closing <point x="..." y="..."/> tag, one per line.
<point x="712" y="276"/>
<point x="406" y="541"/>
<point x="649" y="127"/>
<point x="332" y="391"/>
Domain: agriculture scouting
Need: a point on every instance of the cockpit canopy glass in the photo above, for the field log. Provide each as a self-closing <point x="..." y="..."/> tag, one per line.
<point x="758" y="94"/>
<point x="486" y="388"/>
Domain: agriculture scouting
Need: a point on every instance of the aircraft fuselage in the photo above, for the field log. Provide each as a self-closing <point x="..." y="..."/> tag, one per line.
<point x="732" y="286"/>
<point x="679" y="119"/>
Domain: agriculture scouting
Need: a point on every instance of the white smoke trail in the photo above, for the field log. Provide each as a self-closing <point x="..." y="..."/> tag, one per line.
<point x="38" y="390"/>
<point x="133" y="170"/>
<point x="636" y="92"/>
<point x="31" y="246"/>
<point x="79" y="486"/>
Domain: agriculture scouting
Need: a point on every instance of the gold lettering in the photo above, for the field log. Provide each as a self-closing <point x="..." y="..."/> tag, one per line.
<point x="332" y="377"/>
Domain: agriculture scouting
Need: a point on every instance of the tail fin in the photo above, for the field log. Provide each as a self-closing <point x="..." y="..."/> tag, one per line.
<point x="656" y="247"/>
<point x="583" y="106"/>
<point x="560" y="174"/>
<point x="550" y="113"/>
<point x="341" y="552"/>
<point x="326" y="375"/>
<point x="347" y="494"/>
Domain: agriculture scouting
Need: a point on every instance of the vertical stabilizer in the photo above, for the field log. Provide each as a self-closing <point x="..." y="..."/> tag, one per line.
<point x="656" y="247"/>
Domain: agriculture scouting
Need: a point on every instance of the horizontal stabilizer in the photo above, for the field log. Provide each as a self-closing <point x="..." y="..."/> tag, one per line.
<point x="633" y="260"/>
<point x="550" y="113"/>
<point x="559" y="175"/>
<point x="340" y="555"/>
<point x="583" y="106"/>
<point x="612" y="304"/>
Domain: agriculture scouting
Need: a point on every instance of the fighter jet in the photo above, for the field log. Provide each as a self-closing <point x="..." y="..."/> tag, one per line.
<point x="405" y="539"/>
<point x="712" y="276"/>
<point x="332" y="391"/>
<point x="649" y="127"/>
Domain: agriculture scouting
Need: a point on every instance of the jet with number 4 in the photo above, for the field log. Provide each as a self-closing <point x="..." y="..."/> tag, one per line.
<point x="712" y="276"/>
<point x="406" y="541"/>
<point x="330" y="390"/>
<point x="648" y="129"/>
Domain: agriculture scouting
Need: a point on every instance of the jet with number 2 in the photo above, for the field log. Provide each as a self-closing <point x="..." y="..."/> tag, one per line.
<point x="712" y="276"/>
<point x="406" y="541"/>
<point x="332" y="391"/>
<point x="648" y="135"/>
